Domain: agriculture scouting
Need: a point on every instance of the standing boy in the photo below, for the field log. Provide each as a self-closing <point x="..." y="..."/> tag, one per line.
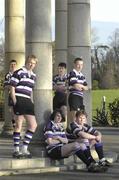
<point x="77" y="85"/>
<point x="60" y="89"/>
<point x="12" y="68"/>
<point x="22" y="83"/>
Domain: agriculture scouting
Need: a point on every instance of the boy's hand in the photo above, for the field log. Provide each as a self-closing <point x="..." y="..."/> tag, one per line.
<point x="98" y="138"/>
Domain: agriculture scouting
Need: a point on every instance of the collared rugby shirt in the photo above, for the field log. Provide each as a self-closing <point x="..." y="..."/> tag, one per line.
<point x="23" y="81"/>
<point x="51" y="130"/>
<point x="76" y="128"/>
<point x="75" y="77"/>
<point x="58" y="80"/>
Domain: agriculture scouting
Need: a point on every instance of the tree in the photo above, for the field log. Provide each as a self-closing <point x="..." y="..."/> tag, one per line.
<point x="105" y="62"/>
<point x="114" y="44"/>
<point x="94" y="36"/>
<point x="98" y="59"/>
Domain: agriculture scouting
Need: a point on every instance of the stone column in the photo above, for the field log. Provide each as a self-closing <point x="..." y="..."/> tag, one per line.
<point x="14" y="44"/>
<point x="79" y="41"/>
<point x="38" y="42"/>
<point x="60" y="33"/>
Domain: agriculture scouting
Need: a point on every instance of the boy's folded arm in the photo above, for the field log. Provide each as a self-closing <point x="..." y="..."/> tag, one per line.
<point x="86" y="135"/>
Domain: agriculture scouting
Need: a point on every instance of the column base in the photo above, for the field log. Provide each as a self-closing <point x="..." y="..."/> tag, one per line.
<point x="7" y="130"/>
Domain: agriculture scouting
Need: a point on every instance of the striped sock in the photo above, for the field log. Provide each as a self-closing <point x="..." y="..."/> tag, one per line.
<point x="27" y="139"/>
<point x="16" y="139"/>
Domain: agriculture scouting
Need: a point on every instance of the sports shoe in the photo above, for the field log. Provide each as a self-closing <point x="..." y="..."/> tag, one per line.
<point x="104" y="163"/>
<point x="95" y="167"/>
<point x="17" y="154"/>
<point x="26" y="154"/>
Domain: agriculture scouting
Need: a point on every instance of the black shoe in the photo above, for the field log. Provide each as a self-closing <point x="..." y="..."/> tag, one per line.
<point x="17" y="155"/>
<point x="95" y="167"/>
<point x="105" y="163"/>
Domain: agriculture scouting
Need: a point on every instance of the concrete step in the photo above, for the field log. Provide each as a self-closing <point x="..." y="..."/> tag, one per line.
<point x="39" y="163"/>
<point x="69" y="167"/>
<point x="28" y="171"/>
<point x="57" y="168"/>
<point x="10" y="163"/>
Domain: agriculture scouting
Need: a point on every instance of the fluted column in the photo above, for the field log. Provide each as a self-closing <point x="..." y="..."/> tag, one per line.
<point x="14" y="44"/>
<point x="38" y="42"/>
<point x="60" y="32"/>
<point x="79" y="41"/>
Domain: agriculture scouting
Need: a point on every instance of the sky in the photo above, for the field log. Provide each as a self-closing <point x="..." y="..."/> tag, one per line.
<point x="104" y="18"/>
<point x="105" y="10"/>
<point x="1" y="8"/>
<point x="101" y="10"/>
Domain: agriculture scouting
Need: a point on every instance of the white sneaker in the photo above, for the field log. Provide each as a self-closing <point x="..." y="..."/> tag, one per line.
<point x="26" y="154"/>
<point x="105" y="163"/>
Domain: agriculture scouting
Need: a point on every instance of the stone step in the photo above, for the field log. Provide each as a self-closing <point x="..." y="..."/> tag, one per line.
<point x="28" y="171"/>
<point x="69" y="167"/>
<point x="10" y="163"/>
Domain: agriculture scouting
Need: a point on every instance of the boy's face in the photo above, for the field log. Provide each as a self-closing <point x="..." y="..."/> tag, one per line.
<point x="30" y="65"/>
<point x="78" y="65"/>
<point x="61" y="70"/>
<point x="57" y="118"/>
<point x="81" y="119"/>
<point x="13" y="66"/>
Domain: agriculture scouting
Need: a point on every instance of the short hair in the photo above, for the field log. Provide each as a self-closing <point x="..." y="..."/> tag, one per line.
<point x="31" y="57"/>
<point x="62" y="64"/>
<point x="52" y="116"/>
<point x="80" y="113"/>
<point x="78" y="59"/>
<point x="13" y="61"/>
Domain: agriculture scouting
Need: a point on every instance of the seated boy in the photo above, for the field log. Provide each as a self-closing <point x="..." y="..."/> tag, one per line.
<point x="83" y="133"/>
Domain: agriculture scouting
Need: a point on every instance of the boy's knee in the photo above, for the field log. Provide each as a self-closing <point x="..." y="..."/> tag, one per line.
<point x="79" y="146"/>
<point x="83" y="146"/>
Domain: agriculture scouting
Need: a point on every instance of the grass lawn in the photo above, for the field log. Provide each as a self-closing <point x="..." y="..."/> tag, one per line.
<point x="97" y="96"/>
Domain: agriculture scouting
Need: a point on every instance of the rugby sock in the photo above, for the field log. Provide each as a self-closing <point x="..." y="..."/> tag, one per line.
<point x="27" y="140"/>
<point x="16" y="139"/>
<point x="99" y="150"/>
<point x="83" y="157"/>
<point x="87" y="153"/>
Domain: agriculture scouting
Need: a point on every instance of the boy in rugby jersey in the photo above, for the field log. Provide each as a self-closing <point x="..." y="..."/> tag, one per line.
<point x="60" y="89"/>
<point x="77" y="86"/>
<point x="12" y="68"/>
<point x="58" y="147"/>
<point x="22" y="83"/>
<point x="80" y="131"/>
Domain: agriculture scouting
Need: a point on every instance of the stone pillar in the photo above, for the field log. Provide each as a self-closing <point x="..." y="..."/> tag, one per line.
<point x="60" y="33"/>
<point x="79" y="41"/>
<point x="38" y="42"/>
<point x="14" y="44"/>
